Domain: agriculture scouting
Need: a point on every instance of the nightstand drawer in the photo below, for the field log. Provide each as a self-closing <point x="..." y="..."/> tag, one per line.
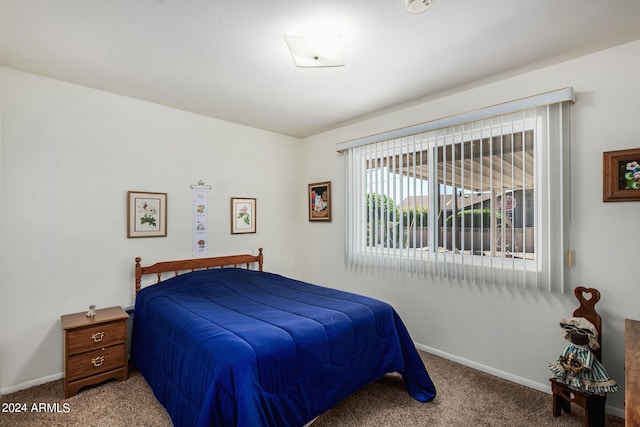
<point x="95" y="362"/>
<point x="104" y="335"/>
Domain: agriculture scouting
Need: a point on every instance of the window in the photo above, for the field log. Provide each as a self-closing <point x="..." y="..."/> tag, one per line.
<point x="483" y="199"/>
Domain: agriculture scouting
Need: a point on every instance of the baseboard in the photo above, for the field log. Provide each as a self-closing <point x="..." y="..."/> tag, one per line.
<point x="37" y="381"/>
<point x="545" y="388"/>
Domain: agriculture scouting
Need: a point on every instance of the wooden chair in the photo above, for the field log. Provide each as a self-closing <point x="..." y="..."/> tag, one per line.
<point x="563" y="395"/>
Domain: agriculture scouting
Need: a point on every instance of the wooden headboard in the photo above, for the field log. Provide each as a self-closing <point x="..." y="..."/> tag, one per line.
<point x="195" y="264"/>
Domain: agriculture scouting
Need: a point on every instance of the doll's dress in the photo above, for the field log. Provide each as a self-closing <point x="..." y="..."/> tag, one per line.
<point x="594" y="379"/>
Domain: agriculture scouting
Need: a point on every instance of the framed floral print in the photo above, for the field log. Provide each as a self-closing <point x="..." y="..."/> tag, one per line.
<point x="319" y="201"/>
<point x="146" y="214"/>
<point x="243" y="216"/>
<point x="621" y="175"/>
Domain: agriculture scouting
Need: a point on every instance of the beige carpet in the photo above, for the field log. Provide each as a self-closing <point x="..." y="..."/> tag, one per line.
<point x="112" y="404"/>
<point x="465" y="397"/>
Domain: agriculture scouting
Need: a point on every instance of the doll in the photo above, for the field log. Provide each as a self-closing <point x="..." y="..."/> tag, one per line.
<point x="577" y="366"/>
<point x="92" y="311"/>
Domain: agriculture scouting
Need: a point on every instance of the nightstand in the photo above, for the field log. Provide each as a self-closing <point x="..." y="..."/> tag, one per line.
<point x="95" y="348"/>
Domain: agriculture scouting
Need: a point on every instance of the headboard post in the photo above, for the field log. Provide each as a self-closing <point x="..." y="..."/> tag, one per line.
<point x="138" y="274"/>
<point x="260" y="257"/>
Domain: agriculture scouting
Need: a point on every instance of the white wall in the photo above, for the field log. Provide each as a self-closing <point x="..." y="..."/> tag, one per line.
<point x="68" y="156"/>
<point x="511" y="332"/>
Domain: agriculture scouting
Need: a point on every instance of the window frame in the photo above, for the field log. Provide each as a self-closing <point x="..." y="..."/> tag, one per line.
<point x="545" y="271"/>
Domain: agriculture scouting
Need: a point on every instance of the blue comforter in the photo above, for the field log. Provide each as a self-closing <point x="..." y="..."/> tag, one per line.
<point x="231" y="347"/>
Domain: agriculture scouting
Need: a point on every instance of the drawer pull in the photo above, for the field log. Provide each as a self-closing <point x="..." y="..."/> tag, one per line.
<point x="97" y="361"/>
<point x="98" y="336"/>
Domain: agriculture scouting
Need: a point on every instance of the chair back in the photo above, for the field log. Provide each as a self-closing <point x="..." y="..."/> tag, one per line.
<point x="588" y="297"/>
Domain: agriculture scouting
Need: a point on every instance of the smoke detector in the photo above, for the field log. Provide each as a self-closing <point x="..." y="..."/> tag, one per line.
<point x="418" y="6"/>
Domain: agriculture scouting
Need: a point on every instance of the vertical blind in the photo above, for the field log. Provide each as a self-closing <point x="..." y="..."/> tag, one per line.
<point x="485" y="200"/>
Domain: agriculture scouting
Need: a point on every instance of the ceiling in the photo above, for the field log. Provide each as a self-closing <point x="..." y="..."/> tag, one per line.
<point x="228" y="59"/>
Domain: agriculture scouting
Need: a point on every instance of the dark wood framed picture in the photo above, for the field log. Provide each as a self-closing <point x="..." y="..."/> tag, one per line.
<point x="243" y="215"/>
<point x="621" y="175"/>
<point x="146" y="214"/>
<point x="319" y="200"/>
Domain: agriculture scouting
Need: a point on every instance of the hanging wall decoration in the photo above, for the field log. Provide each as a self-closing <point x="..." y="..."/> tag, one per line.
<point x="146" y="214"/>
<point x="199" y="197"/>
<point x="243" y="215"/>
<point x="319" y="201"/>
<point x="621" y="175"/>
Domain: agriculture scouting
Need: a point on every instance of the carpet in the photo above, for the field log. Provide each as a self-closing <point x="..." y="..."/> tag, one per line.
<point x="466" y="397"/>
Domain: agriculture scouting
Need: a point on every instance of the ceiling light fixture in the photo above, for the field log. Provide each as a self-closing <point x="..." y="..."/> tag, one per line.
<point x="316" y="50"/>
<point x="418" y="6"/>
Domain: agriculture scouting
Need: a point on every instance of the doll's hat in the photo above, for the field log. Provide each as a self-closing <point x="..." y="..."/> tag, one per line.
<point x="581" y="326"/>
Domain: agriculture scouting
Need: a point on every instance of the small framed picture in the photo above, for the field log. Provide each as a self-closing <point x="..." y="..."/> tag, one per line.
<point x="146" y="214"/>
<point x="243" y="216"/>
<point x="319" y="200"/>
<point x="621" y="175"/>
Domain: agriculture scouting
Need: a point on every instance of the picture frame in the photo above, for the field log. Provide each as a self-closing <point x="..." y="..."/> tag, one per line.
<point x="243" y="215"/>
<point x="146" y="214"/>
<point x="621" y="175"/>
<point x="319" y="201"/>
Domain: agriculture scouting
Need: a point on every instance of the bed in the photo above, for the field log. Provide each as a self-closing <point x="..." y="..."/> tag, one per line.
<point x="224" y="343"/>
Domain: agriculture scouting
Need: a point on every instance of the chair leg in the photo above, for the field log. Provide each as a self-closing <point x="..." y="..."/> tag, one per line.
<point x="594" y="413"/>
<point x="560" y="404"/>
